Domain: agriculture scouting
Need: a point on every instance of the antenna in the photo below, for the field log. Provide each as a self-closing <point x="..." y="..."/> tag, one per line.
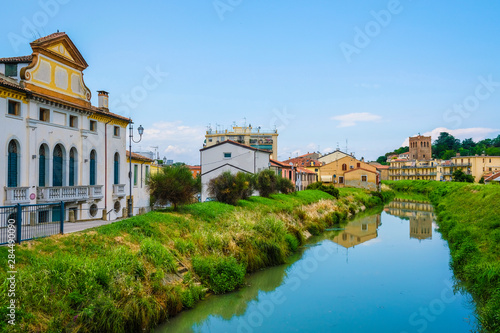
<point x="245" y="124"/>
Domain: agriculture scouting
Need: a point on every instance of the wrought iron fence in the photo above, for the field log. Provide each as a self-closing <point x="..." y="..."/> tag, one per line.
<point x="31" y="221"/>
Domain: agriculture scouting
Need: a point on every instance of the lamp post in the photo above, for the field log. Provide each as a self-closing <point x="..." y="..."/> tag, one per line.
<point x="131" y="138"/>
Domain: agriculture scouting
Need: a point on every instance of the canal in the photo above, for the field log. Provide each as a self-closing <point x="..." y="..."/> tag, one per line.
<point x="385" y="272"/>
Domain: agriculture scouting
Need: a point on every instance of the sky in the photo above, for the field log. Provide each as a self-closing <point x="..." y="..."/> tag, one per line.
<point x="360" y="76"/>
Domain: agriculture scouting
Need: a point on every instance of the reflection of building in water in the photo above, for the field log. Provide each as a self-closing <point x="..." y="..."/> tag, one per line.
<point x="421" y="214"/>
<point x="359" y="231"/>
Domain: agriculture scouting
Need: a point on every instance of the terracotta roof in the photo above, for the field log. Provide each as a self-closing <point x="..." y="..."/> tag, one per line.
<point x="139" y="157"/>
<point x="305" y="170"/>
<point x="302" y="161"/>
<point x="24" y="59"/>
<point x="278" y="163"/>
<point x="446" y="163"/>
<point x="492" y="177"/>
<point x="107" y="113"/>
<point x="382" y="167"/>
<point x="49" y="37"/>
<point x="10" y="84"/>
<point x="399" y="160"/>
<point x="237" y="144"/>
<point x="360" y="169"/>
<point x="194" y="167"/>
<point x="407" y="153"/>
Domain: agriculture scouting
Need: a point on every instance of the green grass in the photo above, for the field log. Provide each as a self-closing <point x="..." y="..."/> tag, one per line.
<point x="124" y="276"/>
<point x="469" y="219"/>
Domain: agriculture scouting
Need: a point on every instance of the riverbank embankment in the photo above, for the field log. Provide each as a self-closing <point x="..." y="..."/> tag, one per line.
<point x="131" y="275"/>
<point x="469" y="219"/>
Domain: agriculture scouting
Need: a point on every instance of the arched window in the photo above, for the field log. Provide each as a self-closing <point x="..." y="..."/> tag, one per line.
<point x="72" y="167"/>
<point x="12" y="165"/>
<point x="344" y="167"/>
<point x="42" y="166"/>
<point x="92" y="167"/>
<point x="117" y="169"/>
<point x="57" y="167"/>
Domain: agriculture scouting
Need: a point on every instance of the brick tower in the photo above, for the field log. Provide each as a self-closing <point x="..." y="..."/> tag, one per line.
<point x="420" y="148"/>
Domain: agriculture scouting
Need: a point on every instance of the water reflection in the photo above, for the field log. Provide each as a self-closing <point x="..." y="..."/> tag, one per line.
<point x="420" y="213"/>
<point x="358" y="231"/>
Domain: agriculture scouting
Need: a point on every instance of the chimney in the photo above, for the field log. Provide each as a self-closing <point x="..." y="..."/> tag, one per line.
<point x="103" y="100"/>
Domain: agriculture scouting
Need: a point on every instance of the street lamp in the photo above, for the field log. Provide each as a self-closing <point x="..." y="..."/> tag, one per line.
<point x="131" y="137"/>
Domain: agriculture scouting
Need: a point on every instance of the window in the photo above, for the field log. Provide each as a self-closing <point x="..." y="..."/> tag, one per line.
<point x="344" y="167"/>
<point x="146" y="174"/>
<point x="44" y="114"/>
<point x="135" y="174"/>
<point x="12" y="165"/>
<point x="341" y="180"/>
<point x="57" y="166"/>
<point x="93" y="210"/>
<point x="117" y="206"/>
<point x="73" y="121"/>
<point x="10" y="69"/>
<point x="93" y="126"/>
<point x="14" y="108"/>
<point x="42" y="163"/>
<point x="117" y="169"/>
<point x="227" y="155"/>
<point x="364" y="227"/>
<point x="210" y="140"/>
<point x="92" y="175"/>
<point x="363" y="178"/>
<point x="72" y="167"/>
<point x="358" y="165"/>
<point x="116" y="131"/>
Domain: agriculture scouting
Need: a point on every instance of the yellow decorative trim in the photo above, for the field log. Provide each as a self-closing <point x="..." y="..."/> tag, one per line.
<point x="111" y="121"/>
<point x="7" y="93"/>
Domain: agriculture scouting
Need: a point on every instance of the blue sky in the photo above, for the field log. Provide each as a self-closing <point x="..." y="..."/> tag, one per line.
<point x="323" y="72"/>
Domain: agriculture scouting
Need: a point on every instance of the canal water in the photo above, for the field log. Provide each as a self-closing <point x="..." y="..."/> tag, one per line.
<point x="385" y="272"/>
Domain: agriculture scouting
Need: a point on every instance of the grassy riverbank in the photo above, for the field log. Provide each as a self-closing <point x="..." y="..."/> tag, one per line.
<point x="469" y="219"/>
<point x="131" y="275"/>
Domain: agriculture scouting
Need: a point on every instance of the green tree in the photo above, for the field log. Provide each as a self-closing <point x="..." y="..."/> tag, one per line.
<point x="459" y="176"/>
<point x="445" y="142"/>
<point x="382" y="160"/>
<point x="230" y="188"/>
<point x="266" y="183"/>
<point x="172" y="184"/>
<point x="285" y="185"/>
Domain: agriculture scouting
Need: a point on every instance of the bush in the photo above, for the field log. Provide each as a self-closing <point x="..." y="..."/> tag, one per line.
<point x="284" y="185"/>
<point x="267" y="183"/>
<point x="330" y="189"/>
<point x="174" y="184"/>
<point x="219" y="274"/>
<point x="229" y="188"/>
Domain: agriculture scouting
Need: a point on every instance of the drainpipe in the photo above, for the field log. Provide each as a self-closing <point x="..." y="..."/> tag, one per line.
<point x="106" y="166"/>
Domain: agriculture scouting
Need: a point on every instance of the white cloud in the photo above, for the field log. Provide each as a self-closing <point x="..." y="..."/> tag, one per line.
<point x="175" y="140"/>
<point x="351" y="119"/>
<point x="476" y="133"/>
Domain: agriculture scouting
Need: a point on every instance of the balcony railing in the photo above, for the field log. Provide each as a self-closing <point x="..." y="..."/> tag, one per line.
<point x="69" y="193"/>
<point x="119" y="190"/>
<point x="16" y="195"/>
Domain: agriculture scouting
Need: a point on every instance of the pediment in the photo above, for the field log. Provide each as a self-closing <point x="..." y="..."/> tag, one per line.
<point x="59" y="47"/>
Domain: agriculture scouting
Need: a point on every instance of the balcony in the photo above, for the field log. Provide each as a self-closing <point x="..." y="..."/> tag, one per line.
<point x="119" y="190"/>
<point x="69" y="193"/>
<point x="16" y="195"/>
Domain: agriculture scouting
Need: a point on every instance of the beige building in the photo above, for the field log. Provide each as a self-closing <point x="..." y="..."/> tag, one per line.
<point x="358" y="231"/>
<point x="253" y="137"/>
<point x="477" y="166"/>
<point x="331" y="157"/>
<point x="348" y="171"/>
<point x="414" y="169"/>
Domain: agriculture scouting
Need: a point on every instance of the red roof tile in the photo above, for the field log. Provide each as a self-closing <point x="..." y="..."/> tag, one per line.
<point x="493" y="176"/>
<point x="49" y="37"/>
<point x="10" y="84"/>
<point x="139" y="157"/>
<point x="382" y="167"/>
<point x="23" y="59"/>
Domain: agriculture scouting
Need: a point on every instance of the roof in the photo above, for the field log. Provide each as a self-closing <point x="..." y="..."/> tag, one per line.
<point x="407" y="153"/>
<point x="9" y="83"/>
<point x="107" y="113"/>
<point x="237" y="144"/>
<point x="302" y="161"/>
<point x="23" y="59"/>
<point x="278" y="163"/>
<point x="305" y="170"/>
<point x="493" y="177"/>
<point x="399" y="160"/>
<point x="194" y="167"/>
<point x="382" y="167"/>
<point x="139" y="157"/>
<point x="49" y="37"/>
<point x="360" y="169"/>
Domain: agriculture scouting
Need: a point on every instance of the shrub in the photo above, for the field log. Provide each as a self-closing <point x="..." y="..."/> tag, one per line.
<point x="266" y="183"/>
<point x="330" y="189"/>
<point x="219" y="274"/>
<point x="229" y="188"/>
<point x="284" y="185"/>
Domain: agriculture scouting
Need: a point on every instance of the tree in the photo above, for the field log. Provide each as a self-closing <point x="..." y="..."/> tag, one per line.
<point x="445" y="142"/>
<point x="284" y="185"/>
<point x="382" y="160"/>
<point x="174" y="184"/>
<point x="459" y="176"/>
<point x="266" y="183"/>
<point x="229" y="188"/>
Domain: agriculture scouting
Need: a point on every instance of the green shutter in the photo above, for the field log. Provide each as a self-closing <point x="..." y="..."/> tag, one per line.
<point x="92" y="171"/>
<point x="12" y="170"/>
<point x="135" y="174"/>
<point x="117" y="170"/>
<point x="10" y="69"/>
<point x="71" y="171"/>
<point x="41" y="171"/>
<point x="57" y="171"/>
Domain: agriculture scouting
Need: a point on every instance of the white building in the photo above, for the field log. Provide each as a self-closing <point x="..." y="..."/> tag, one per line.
<point x="56" y="145"/>
<point x="230" y="156"/>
